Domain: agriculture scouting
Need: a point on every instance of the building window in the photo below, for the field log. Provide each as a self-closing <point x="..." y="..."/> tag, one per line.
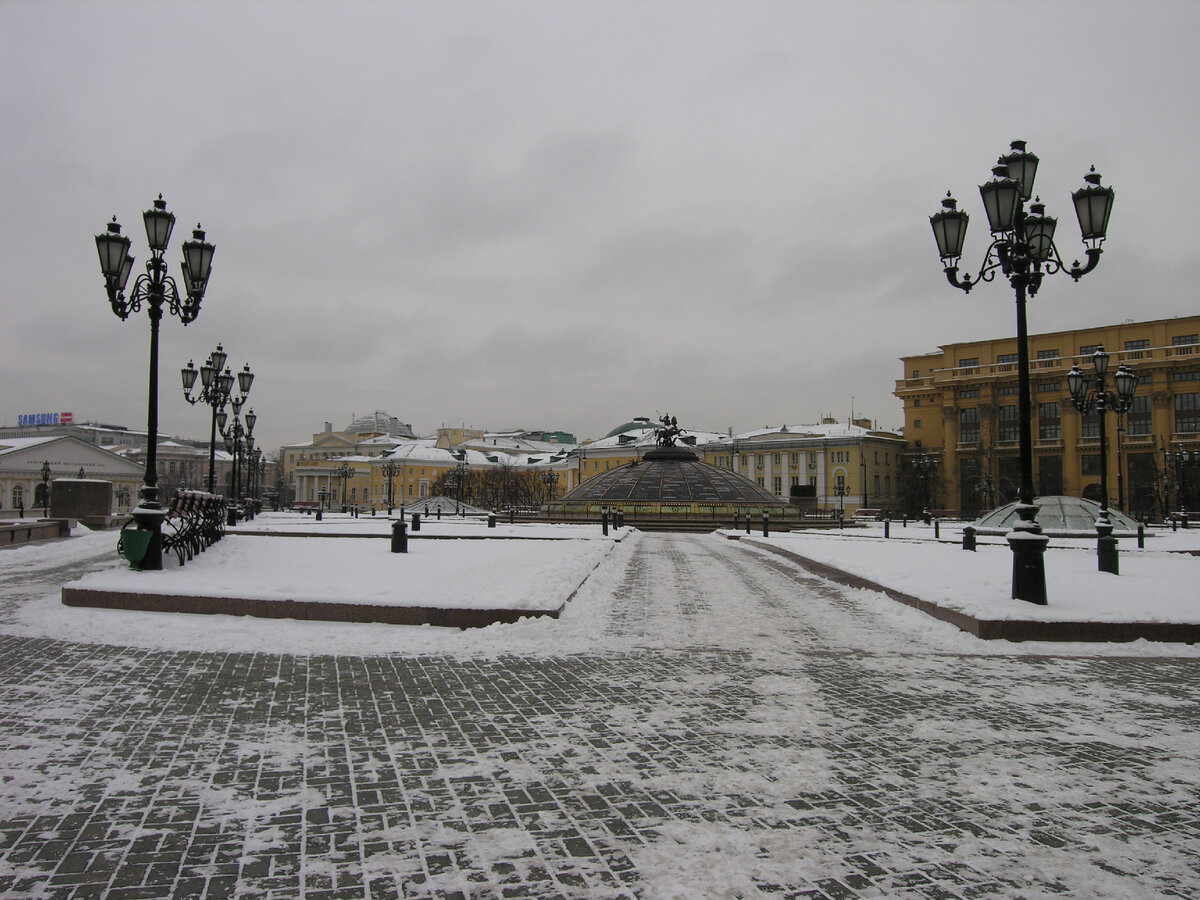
<point x="1183" y="343"/>
<point x="18" y="496"/>
<point x="775" y="460"/>
<point x="969" y="366"/>
<point x="968" y="394"/>
<point x="1088" y="349"/>
<point x="1047" y="358"/>
<point x="1090" y="427"/>
<point x="1050" y="475"/>
<point x="778" y="485"/>
<point x="760" y="481"/>
<point x="1006" y="361"/>
<point x="1049" y="422"/>
<point x="1187" y="413"/>
<point x="1139" y="417"/>
<point x="968" y="425"/>
<point x="1049" y="387"/>
<point x="1091" y="465"/>
<point x="1133" y="349"/>
<point x="916" y="373"/>
<point x="795" y="460"/>
<point x="1008" y="390"/>
<point x="758" y="460"/>
<point x="1009" y="423"/>
<point x="917" y="402"/>
<point x="1192" y="375"/>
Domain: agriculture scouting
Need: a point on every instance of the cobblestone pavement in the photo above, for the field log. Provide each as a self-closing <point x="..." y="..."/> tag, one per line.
<point x="828" y="760"/>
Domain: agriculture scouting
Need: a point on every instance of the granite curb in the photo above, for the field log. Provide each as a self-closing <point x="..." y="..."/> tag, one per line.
<point x="1001" y="629"/>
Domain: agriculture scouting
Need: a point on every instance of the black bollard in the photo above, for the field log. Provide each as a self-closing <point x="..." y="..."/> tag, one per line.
<point x="604" y="520"/>
<point x="736" y="520"/>
<point x="318" y="515"/>
<point x="1141" y="535"/>
<point x="766" y="524"/>
<point x="491" y="520"/>
<point x="399" y="538"/>
<point x="969" y="538"/>
<point x="887" y="528"/>
<point x="512" y="516"/>
<point x="747" y="522"/>
<point x="936" y="531"/>
<point x="439" y="514"/>
<point x="416" y="521"/>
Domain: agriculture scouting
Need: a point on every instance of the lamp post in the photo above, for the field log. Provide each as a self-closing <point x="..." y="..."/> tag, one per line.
<point x="1183" y="458"/>
<point x="1022" y="249"/>
<point x="157" y="290"/>
<point x="460" y="471"/>
<point x="925" y="464"/>
<point x="216" y="390"/>
<point x="237" y="440"/>
<point x="344" y="472"/>
<point x="390" y="471"/>
<point x="46" y="488"/>
<point x="1099" y="398"/>
<point x="550" y="479"/>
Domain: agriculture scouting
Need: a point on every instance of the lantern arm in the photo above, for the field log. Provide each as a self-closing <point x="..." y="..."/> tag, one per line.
<point x="1093" y="259"/>
<point x="996" y="258"/>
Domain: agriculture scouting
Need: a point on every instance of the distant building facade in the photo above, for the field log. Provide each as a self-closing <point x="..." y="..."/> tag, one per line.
<point x="960" y="406"/>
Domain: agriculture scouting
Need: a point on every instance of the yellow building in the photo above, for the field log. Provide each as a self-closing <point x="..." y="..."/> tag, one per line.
<point x="823" y="468"/>
<point x="960" y="405"/>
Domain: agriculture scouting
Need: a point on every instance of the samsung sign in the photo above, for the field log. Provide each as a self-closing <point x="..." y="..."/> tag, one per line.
<point x="46" y="419"/>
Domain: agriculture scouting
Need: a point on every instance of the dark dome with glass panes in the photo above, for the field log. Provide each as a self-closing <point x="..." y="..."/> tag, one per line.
<point x="671" y="481"/>
<point x="1058" y="516"/>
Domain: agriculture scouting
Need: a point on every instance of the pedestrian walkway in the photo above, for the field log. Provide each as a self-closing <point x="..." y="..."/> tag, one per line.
<point x="754" y="731"/>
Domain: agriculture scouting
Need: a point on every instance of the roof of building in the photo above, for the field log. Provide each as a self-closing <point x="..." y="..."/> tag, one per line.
<point x="381" y="422"/>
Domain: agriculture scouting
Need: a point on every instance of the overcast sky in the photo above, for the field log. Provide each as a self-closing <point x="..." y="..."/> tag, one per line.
<point x="562" y="215"/>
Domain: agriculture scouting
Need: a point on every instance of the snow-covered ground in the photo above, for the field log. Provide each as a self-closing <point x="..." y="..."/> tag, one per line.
<point x="1160" y="583"/>
<point x="704" y="718"/>
<point x="1156" y="584"/>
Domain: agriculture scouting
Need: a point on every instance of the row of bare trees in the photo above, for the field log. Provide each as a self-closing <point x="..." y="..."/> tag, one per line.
<point x="501" y="486"/>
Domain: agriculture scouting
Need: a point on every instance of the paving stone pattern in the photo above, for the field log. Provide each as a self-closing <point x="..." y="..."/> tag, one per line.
<point x="822" y="766"/>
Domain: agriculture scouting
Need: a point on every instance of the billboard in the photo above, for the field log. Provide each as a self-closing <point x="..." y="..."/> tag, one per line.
<point x="28" y="419"/>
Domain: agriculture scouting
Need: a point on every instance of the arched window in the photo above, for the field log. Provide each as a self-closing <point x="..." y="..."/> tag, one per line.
<point x="18" y="496"/>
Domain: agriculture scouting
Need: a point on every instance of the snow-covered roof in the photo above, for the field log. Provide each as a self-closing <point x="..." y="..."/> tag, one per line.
<point x="824" y="430"/>
<point x="9" y="445"/>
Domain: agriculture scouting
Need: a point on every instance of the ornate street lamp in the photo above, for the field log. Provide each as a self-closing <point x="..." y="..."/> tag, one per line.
<point x="46" y="488"/>
<point x="390" y="471"/>
<point x="1022" y="249"/>
<point x="1089" y="398"/>
<point x="239" y="441"/>
<point x="461" y="477"/>
<point x="344" y="472"/>
<point x="157" y="290"/>
<point x="1183" y="458"/>
<point x="216" y="389"/>
<point x="925" y="464"/>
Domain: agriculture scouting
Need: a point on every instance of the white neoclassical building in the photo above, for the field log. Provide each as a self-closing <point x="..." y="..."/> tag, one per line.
<point x="22" y="461"/>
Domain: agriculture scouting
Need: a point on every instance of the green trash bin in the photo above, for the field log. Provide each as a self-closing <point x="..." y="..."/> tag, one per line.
<point x="133" y="544"/>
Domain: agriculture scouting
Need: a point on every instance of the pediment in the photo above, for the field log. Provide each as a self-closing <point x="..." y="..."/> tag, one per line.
<point x="66" y="455"/>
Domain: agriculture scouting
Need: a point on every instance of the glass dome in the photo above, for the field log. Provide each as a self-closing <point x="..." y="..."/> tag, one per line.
<point x="1058" y="515"/>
